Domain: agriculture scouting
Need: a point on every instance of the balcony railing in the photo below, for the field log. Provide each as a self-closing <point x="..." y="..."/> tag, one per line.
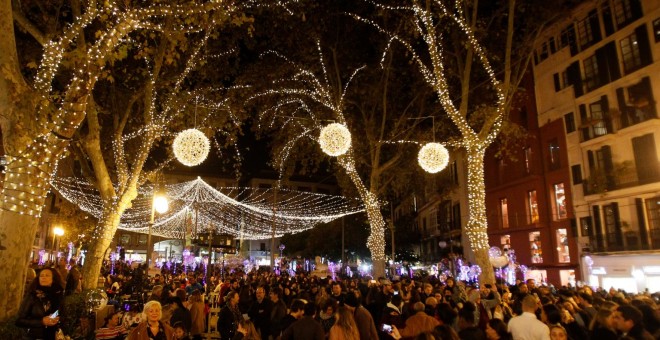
<point x="624" y="175"/>
<point x="630" y="241"/>
<point x="616" y="120"/>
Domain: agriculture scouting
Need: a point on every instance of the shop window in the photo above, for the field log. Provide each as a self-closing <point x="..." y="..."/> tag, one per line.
<point x="562" y="246"/>
<point x="532" y="207"/>
<point x="504" y="212"/>
<point x="535" y="247"/>
<point x="560" y="201"/>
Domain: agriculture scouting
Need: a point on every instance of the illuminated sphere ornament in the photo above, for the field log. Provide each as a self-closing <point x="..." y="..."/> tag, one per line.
<point x="335" y="139"/>
<point x="494" y="252"/>
<point x="191" y="147"/>
<point x="433" y="157"/>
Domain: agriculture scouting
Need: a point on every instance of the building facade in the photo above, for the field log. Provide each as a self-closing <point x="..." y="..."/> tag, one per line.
<point x="597" y="74"/>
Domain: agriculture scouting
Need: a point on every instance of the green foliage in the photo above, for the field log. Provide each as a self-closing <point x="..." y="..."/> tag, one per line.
<point x="73" y="310"/>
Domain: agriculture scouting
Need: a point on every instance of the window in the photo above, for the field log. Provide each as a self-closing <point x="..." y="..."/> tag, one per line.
<point x="591" y="72"/>
<point x="125" y="239"/>
<point x="632" y="59"/>
<point x="569" y="120"/>
<point x="504" y="212"/>
<point x="142" y="240"/>
<point x="562" y="246"/>
<point x="636" y="103"/>
<point x="505" y="242"/>
<point x="262" y="246"/>
<point x="535" y="247"/>
<point x="588" y="30"/>
<point x="553" y="154"/>
<point x="560" y="201"/>
<point x="656" y="29"/>
<point x="532" y="207"/>
<point x="585" y="227"/>
<point x="528" y="159"/>
<point x="597" y="118"/>
<point x="626" y="11"/>
<point x="576" y="171"/>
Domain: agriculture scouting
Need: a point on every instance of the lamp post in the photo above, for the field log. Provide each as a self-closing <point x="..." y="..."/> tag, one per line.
<point x="159" y="205"/>
<point x="57" y="231"/>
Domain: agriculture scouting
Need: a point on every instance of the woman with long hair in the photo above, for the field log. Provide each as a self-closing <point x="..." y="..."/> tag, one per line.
<point x="345" y="327"/>
<point x="603" y="326"/>
<point x="246" y="331"/>
<point x="198" y="315"/>
<point x="40" y="308"/>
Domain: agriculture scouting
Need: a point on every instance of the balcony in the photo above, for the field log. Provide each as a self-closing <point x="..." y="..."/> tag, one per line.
<point x="624" y="175"/>
<point x="625" y="241"/>
<point x="633" y="115"/>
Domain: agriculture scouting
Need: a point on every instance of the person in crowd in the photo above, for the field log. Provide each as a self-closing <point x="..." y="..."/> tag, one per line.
<point x="181" y="314"/>
<point x="40" y="309"/>
<point x="73" y="283"/>
<point x="392" y="315"/>
<point x="197" y="315"/>
<point x="112" y="328"/>
<point x="345" y="328"/>
<point x="526" y="326"/>
<point x="246" y="331"/>
<point x="151" y="328"/>
<point x="557" y="332"/>
<point x="260" y="311"/>
<point x="156" y="293"/>
<point x="62" y="270"/>
<point x="496" y="330"/>
<point x="278" y="311"/>
<point x="305" y="328"/>
<point x="295" y="313"/>
<point x="363" y="319"/>
<point x="603" y="325"/>
<point x="180" y="332"/>
<point x="467" y="326"/>
<point x="418" y="323"/>
<point x="336" y="293"/>
<point x="229" y="316"/>
<point x="629" y="323"/>
<point x="485" y="306"/>
<point x="326" y="315"/>
<point x="446" y="332"/>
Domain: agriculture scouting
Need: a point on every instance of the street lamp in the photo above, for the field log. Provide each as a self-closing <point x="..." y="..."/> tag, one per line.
<point x="281" y="250"/>
<point x="160" y="205"/>
<point x="57" y="231"/>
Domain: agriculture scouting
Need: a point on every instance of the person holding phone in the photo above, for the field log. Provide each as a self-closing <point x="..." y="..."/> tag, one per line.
<point x="39" y="311"/>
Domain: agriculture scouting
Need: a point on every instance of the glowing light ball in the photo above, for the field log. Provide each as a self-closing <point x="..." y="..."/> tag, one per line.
<point x="433" y="157"/>
<point x="494" y="252"/>
<point x="191" y="147"/>
<point x="335" y="139"/>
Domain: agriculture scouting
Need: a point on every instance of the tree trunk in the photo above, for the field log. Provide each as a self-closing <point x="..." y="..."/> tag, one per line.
<point x="22" y="199"/>
<point x="104" y="232"/>
<point x="376" y="239"/>
<point x="477" y="226"/>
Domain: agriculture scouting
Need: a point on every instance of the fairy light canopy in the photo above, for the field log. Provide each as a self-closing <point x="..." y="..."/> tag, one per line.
<point x="195" y="207"/>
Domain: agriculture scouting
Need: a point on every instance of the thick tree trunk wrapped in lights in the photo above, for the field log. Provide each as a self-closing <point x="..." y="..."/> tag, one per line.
<point x="38" y="121"/>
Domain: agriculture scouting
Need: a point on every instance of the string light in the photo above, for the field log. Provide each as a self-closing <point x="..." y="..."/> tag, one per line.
<point x="304" y="85"/>
<point x="433" y="157"/>
<point x="335" y="139"/>
<point x="241" y="212"/>
<point x="191" y="147"/>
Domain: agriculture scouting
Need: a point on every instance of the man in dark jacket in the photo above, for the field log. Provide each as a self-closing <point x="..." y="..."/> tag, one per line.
<point x="629" y="322"/>
<point x="260" y="311"/>
<point x="305" y="328"/>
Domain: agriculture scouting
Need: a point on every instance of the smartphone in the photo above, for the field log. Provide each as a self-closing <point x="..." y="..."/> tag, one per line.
<point x="55" y="314"/>
<point x="396" y="292"/>
<point x="387" y="328"/>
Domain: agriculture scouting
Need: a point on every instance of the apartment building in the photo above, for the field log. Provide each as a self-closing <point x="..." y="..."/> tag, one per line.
<point x="597" y="74"/>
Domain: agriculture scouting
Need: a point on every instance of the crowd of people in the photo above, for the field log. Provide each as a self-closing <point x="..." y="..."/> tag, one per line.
<point x="264" y="305"/>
